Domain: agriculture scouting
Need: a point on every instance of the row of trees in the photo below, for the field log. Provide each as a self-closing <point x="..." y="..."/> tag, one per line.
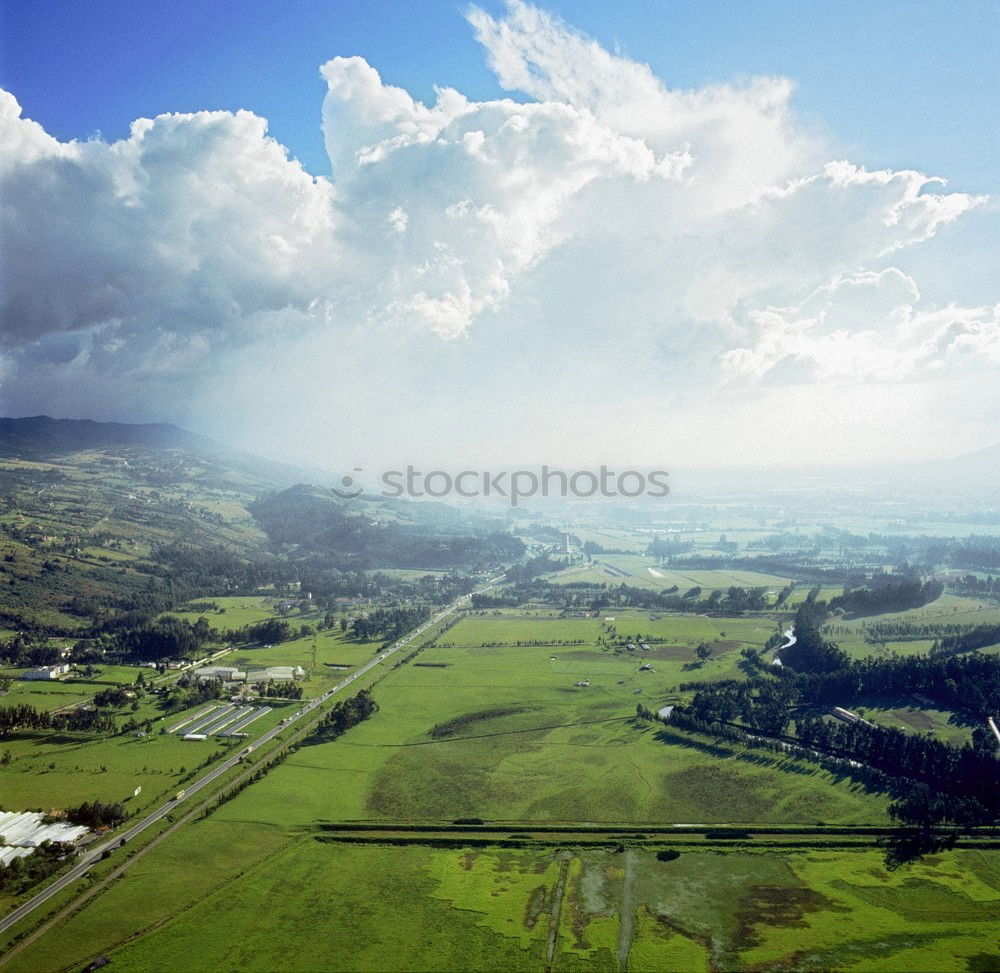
<point x="887" y="594"/>
<point x="589" y="596"/>
<point x="23" y="716"/>
<point x="976" y="638"/>
<point x="949" y="784"/>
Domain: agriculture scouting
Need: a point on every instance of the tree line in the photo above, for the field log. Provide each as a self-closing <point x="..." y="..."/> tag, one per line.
<point x="23" y="716"/>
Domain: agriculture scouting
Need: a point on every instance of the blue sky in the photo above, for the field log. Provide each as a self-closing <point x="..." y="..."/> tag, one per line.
<point x="906" y="83"/>
<point x="622" y="233"/>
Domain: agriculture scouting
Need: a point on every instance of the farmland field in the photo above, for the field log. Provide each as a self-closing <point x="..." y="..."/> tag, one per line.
<point x="507" y="733"/>
<point x="909" y="716"/>
<point x="56" y="693"/>
<point x="522" y="718"/>
<point x="645" y="572"/>
<point x="55" y="771"/>
<point x="236" y="612"/>
<point x="433" y="908"/>
<point x="849" y="633"/>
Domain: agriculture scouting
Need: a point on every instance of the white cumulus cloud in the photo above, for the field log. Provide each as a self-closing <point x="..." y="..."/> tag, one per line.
<point x="607" y="220"/>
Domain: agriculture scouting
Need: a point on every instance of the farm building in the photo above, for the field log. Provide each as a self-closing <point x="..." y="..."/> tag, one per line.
<point x="276" y="674"/>
<point x="225" y="673"/>
<point x="21" y="832"/>
<point x="251" y="677"/>
<point x="46" y="672"/>
<point x="848" y="717"/>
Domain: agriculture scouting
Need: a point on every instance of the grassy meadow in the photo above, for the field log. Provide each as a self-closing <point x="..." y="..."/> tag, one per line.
<point x="528" y="909"/>
<point x="505" y="732"/>
<point x="640" y="571"/>
<point x="492" y="722"/>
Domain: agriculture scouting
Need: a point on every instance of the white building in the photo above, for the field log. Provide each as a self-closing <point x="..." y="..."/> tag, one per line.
<point x="46" y="672"/>
<point x="225" y="673"/>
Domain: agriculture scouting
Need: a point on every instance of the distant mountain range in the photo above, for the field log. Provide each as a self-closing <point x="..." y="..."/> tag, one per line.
<point x="44" y="437"/>
<point x="972" y="477"/>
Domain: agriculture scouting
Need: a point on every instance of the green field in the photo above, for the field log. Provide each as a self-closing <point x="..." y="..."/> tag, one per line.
<point x="509" y="627"/>
<point x="645" y="572"/>
<point x="377" y="907"/>
<point x="849" y="633"/>
<point x="479" y="726"/>
<point x="49" y="771"/>
<point x="56" y="693"/>
<point x="801" y="593"/>
<point x="506" y="733"/>
<point x="912" y="717"/>
<point x="237" y="612"/>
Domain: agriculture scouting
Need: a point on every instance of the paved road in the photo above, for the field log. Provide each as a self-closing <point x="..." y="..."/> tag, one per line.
<point x="94" y="854"/>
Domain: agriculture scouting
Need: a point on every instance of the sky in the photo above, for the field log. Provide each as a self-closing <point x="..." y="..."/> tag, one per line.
<point x="365" y="234"/>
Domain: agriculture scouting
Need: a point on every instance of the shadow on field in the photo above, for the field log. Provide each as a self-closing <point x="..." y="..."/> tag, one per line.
<point x="498" y="733"/>
<point x="905" y="846"/>
<point x="855" y="778"/>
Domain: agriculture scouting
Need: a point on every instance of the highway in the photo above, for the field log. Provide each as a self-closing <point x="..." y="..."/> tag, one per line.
<point x="94" y="855"/>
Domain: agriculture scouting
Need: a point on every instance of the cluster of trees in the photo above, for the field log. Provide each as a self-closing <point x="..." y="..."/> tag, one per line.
<point x="329" y="582"/>
<point x="282" y="690"/>
<point x="590" y="548"/>
<point x="23" y="716"/>
<point x="187" y="572"/>
<point x="389" y="623"/>
<point x="191" y="691"/>
<point x="112" y="697"/>
<point x="533" y="567"/>
<point x="28" y="649"/>
<point x="888" y="594"/>
<point x="811" y="652"/>
<point x="963" y="684"/>
<point x="977" y="554"/>
<point x="21" y="874"/>
<point x="313" y="521"/>
<point x="668" y="547"/>
<point x="973" y="586"/>
<point x="97" y="814"/>
<point x="508" y="598"/>
<point x="270" y="631"/>
<point x="763" y="704"/>
<point x="138" y="638"/>
<point x="344" y="715"/>
<point x="900" y="631"/>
